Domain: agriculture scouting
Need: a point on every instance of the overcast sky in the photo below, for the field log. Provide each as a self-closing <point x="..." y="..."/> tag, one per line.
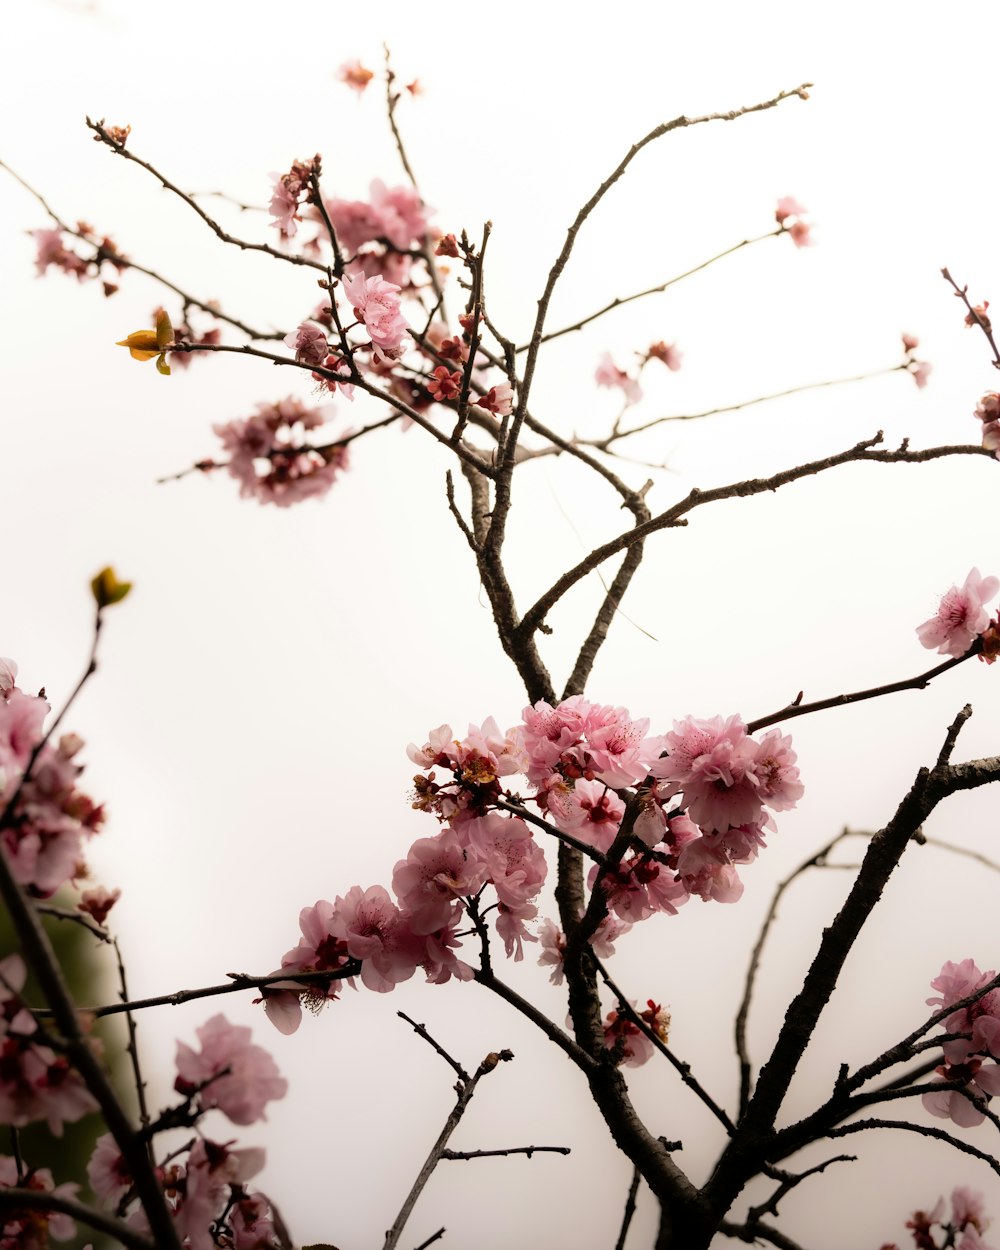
<point x="256" y="694"/>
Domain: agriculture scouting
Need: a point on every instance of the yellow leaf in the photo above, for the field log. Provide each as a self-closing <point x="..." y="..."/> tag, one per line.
<point x="107" y="589"/>
<point x="162" y="366"/>
<point x="164" y="330"/>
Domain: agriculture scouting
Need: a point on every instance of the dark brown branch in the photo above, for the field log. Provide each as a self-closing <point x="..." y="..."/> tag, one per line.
<point x="621" y="301"/>
<point x="120" y="149"/>
<point x="682" y="1068"/>
<point x="884" y="852"/>
<point x="603" y="444"/>
<point x="629" y="1211"/>
<point x="133" y="1049"/>
<point x="860" y="452"/>
<point x="421" y="1031"/>
<point x="188" y="300"/>
<point x="239" y="983"/>
<point x="920" y="682"/>
<point x="561" y="260"/>
<point x="756" y="1231"/>
<point x="742" y="1015"/>
<point x="465" y="1088"/>
<point x="14" y="1200"/>
<point x="510" y="1150"/>
<point x="925" y="1130"/>
<point x="982" y="322"/>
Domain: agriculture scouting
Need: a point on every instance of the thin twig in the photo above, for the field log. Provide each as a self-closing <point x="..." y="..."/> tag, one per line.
<point x="466" y="1088"/>
<point x="629" y="1211"/>
<point x="120" y="260"/>
<point x="245" y="245"/>
<point x="742" y="1015"/>
<point x="619" y="302"/>
<point x="510" y="1150"/>
<point x="683" y="1069"/>
<point x="863" y="452"/>
<point x="422" y="1032"/>
<point x="133" y="1049"/>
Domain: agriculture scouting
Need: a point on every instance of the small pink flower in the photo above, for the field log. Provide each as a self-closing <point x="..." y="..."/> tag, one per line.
<point x="98" y="902"/>
<point x="920" y="372"/>
<point x="287" y="189"/>
<point x="233" y="1074"/>
<point x="608" y="374"/>
<point x="444" y="385"/>
<point x="498" y="399"/>
<point x="308" y="342"/>
<point x="910" y="343"/>
<point x="52" y="251"/>
<point x="961" y="616"/>
<point x="376" y="303"/>
<point x="667" y="353"/>
<point x="788" y="206"/>
<point x="108" y="1176"/>
<point x="354" y="74"/>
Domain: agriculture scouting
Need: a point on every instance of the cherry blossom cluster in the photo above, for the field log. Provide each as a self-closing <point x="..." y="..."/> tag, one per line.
<point x="790" y="216"/>
<point x="967" y="1058"/>
<point x="231" y="1074"/>
<point x="35" y="1082"/>
<point x="988" y="412"/>
<point x="963" y="1229"/>
<point x="49" y="818"/>
<point x="919" y="370"/>
<point x="271" y="459"/>
<point x="663" y="816"/>
<point x="31" y="1228"/>
<point x="961" y="618"/>
<point x="104" y="263"/>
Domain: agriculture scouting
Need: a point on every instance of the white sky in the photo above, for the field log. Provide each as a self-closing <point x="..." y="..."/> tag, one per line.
<point x="249" y="724"/>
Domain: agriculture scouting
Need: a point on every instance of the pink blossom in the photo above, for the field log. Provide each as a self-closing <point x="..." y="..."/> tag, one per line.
<point x="285" y="194"/>
<point x="355" y="222"/>
<point x="444" y="385"/>
<point x="778" y="782"/>
<point x="788" y="206"/>
<point x="789" y="215"/>
<point x="498" y="399"/>
<point x="553" y="943"/>
<point x="910" y="343"/>
<point x="211" y="1171"/>
<point x="319" y="951"/>
<point x="28" y="1229"/>
<point x="376" y="303"/>
<point x="980" y="1080"/>
<point x="403" y="212"/>
<point x="354" y="74"/>
<point x="229" y="1072"/>
<point x="980" y="1019"/>
<point x="432" y="878"/>
<point x="97" y="902"/>
<point x="960" y="617"/>
<point x="106" y="1171"/>
<point x="624" y="1036"/>
<point x="250" y="1220"/>
<point x="589" y="810"/>
<point x="269" y="457"/>
<point x="712" y="763"/>
<point x="968" y="1207"/>
<point x="308" y="342"/>
<point x="512" y="859"/>
<point x="336" y="364"/>
<point x="920" y="372"/>
<point x="371" y="925"/>
<point x="8" y="676"/>
<point x="53" y="251"/>
<point x="667" y="353"/>
<point x="608" y="374"/>
<point x="704" y="874"/>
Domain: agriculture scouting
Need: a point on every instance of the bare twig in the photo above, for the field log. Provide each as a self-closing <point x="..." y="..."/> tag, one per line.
<point x="629" y="1211"/>
<point x="510" y="1150"/>
<point x="422" y="1032"/>
<point x="653" y="290"/>
<point x="465" y="1088"/>
<point x="863" y="452"/>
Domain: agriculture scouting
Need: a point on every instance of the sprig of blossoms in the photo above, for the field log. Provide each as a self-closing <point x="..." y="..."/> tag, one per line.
<point x="44" y="832"/>
<point x="967" y="1059"/>
<point x="961" y="616"/>
<point x="271" y="460"/>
